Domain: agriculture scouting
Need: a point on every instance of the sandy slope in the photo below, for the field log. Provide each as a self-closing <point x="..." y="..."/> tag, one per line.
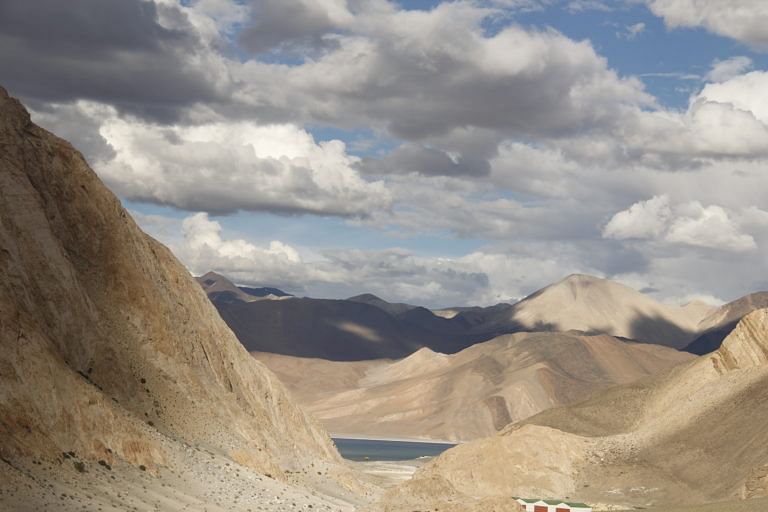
<point x="693" y="434"/>
<point x="108" y="347"/>
<point x="194" y="479"/>
<point x="466" y="395"/>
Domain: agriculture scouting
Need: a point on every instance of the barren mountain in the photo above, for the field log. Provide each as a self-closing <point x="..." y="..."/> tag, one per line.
<point x="717" y="325"/>
<point x="341" y="330"/>
<point x="470" y="394"/>
<point x="366" y="327"/>
<point x="221" y="289"/>
<point x="393" y="308"/>
<point x="594" y="305"/>
<point x="693" y="434"/>
<point x="113" y="360"/>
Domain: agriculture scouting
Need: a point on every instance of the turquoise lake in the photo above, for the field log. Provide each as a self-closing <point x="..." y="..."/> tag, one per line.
<point x="375" y="449"/>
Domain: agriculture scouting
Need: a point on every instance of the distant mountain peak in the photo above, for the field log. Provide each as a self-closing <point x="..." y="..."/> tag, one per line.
<point x="212" y="281"/>
<point x="594" y="304"/>
<point x="212" y="277"/>
<point x="367" y="297"/>
<point x="582" y="278"/>
<point x="216" y="284"/>
<point x="393" y="308"/>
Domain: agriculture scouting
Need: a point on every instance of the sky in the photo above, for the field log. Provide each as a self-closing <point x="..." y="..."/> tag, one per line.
<point x="437" y="153"/>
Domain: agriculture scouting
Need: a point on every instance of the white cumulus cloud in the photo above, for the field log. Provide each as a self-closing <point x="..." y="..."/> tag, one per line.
<point x="746" y="92"/>
<point x="645" y="219"/>
<point x="724" y="70"/>
<point x="235" y="165"/>
<point x="743" y="20"/>
<point x="688" y="223"/>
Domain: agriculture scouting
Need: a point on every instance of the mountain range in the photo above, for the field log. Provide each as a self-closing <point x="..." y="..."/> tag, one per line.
<point x="367" y="327"/>
<point x="360" y="328"/>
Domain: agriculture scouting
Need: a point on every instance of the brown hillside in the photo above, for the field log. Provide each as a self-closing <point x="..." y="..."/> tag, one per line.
<point x="694" y="434"/>
<point x="466" y="395"/>
<point x="109" y="348"/>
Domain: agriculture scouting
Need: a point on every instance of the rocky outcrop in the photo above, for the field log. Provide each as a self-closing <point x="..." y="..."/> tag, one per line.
<point x="717" y="325"/>
<point x="746" y="346"/>
<point x="107" y="345"/>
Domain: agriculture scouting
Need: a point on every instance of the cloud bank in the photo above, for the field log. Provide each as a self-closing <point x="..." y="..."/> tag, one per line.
<point x="477" y="127"/>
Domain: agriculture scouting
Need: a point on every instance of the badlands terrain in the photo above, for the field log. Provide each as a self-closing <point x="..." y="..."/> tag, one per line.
<point x="121" y="387"/>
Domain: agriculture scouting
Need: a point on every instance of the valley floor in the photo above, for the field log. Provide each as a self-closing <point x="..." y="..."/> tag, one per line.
<point x="215" y="484"/>
<point x="386" y="474"/>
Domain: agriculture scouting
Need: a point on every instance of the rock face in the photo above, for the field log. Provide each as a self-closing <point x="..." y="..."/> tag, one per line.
<point x="746" y="347"/>
<point x="470" y="394"/>
<point x="107" y="344"/>
<point x="693" y="434"/>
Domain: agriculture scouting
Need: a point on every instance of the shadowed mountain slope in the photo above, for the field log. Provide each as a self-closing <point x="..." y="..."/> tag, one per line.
<point x="361" y="328"/>
<point x="717" y="325"/>
<point x="470" y="394"/>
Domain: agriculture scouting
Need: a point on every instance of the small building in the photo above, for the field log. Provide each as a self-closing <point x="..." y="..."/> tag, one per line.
<point x="539" y="505"/>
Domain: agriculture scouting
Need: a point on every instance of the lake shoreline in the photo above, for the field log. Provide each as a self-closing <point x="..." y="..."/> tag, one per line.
<point x="356" y="437"/>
